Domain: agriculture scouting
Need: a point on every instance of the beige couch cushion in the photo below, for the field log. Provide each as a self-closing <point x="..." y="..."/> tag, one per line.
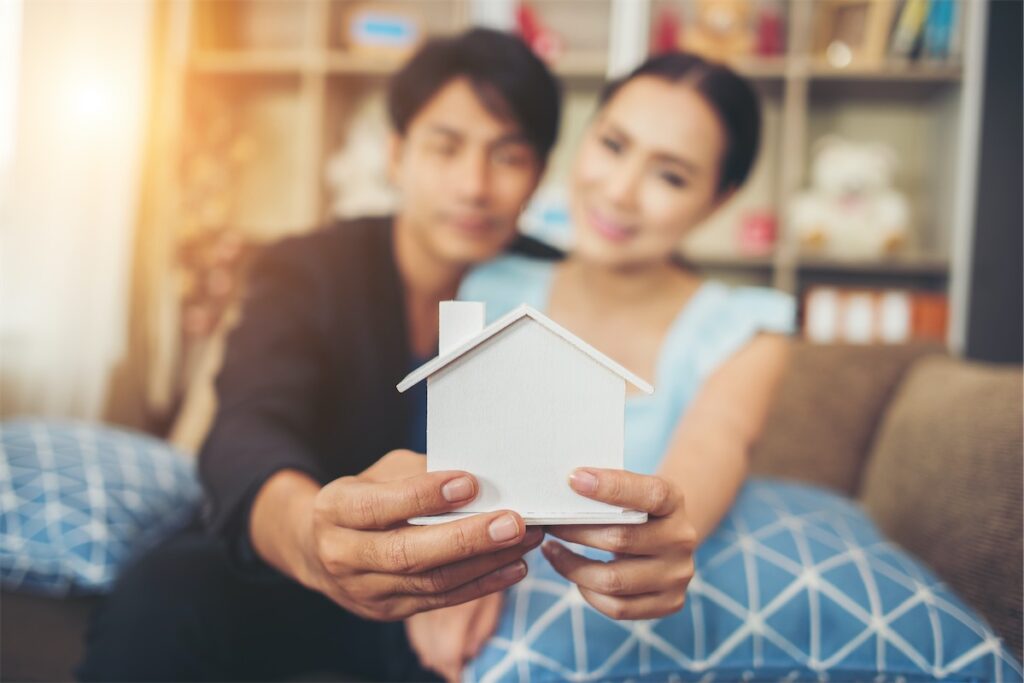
<point x="827" y="409"/>
<point x="944" y="481"/>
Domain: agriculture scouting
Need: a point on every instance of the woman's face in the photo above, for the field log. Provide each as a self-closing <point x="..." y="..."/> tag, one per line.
<point x="646" y="173"/>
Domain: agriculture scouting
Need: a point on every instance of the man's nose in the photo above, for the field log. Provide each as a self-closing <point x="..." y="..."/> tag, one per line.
<point x="473" y="176"/>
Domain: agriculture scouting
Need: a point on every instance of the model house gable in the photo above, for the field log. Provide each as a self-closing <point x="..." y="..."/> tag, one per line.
<point x="471" y="341"/>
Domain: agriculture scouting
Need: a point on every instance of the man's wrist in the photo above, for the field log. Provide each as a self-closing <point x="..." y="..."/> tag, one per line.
<point x="281" y="523"/>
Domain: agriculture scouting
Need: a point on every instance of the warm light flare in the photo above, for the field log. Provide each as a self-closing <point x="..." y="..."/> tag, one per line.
<point x="91" y="99"/>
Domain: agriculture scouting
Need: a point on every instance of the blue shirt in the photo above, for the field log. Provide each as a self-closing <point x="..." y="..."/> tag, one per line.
<point x="715" y="323"/>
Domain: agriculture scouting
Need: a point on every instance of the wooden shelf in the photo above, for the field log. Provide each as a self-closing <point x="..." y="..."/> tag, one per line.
<point x="900" y="73"/>
<point x="581" y="65"/>
<point x="730" y="261"/>
<point x="252" y="62"/>
<point x="763" y="68"/>
<point x="909" y="265"/>
<point x="356" y="64"/>
<point x="571" y="65"/>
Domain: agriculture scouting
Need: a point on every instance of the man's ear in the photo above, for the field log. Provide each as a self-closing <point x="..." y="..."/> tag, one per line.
<point x="394" y="152"/>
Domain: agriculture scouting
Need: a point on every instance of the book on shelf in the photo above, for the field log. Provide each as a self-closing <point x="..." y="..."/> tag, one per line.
<point x="873" y="316"/>
<point x="940" y="34"/>
<point x="926" y="29"/>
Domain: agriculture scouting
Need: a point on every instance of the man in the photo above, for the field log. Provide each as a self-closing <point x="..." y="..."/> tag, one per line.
<point x="311" y="466"/>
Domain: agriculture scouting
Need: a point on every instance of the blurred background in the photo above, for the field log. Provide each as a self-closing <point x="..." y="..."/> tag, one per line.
<point x="149" y="147"/>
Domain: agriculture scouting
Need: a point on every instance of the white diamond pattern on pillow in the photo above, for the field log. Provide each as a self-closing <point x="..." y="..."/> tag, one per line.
<point x="78" y="500"/>
<point x="795" y="585"/>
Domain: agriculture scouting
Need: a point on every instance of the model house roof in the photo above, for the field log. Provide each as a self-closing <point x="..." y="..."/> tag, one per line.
<point x="503" y="323"/>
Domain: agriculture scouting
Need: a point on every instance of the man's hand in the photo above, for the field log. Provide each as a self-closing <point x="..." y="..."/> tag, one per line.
<point x="445" y="639"/>
<point x="350" y="540"/>
<point x="654" y="561"/>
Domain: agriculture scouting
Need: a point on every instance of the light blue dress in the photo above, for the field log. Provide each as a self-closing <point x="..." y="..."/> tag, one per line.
<point x="716" y="322"/>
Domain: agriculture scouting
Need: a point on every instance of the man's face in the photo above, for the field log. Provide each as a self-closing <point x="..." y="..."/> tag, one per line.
<point x="464" y="175"/>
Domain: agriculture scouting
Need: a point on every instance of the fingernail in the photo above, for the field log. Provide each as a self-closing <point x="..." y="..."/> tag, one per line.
<point x="552" y="547"/>
<point x="583" y="481"/>
<point x="457" y="489"/>
<point x="512" y="571"/>
<point x="503" y="529"/>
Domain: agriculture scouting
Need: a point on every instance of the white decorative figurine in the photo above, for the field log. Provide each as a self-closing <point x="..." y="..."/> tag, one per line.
<point x="520" y="404"/>
<point x="851" y="210"/>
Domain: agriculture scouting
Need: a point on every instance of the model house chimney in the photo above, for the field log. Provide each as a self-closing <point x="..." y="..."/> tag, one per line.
<point x="460" y="321"/>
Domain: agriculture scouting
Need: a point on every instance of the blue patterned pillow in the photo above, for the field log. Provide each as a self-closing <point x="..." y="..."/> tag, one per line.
<point x="796" y="585"/>
<point x="78" y="500"/>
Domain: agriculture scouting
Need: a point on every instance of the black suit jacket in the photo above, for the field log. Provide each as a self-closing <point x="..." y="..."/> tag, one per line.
<point x="309" y="373"/>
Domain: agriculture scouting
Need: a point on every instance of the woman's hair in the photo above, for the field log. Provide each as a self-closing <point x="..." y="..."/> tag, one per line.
<point x="730" y="95"/>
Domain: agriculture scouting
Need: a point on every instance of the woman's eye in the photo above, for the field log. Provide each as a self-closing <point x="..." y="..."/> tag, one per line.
<point x="673" y="179"/>
<point x="611" y="144"/>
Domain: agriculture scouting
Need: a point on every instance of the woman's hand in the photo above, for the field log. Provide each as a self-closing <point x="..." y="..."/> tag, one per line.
<point x="653" y="562"/>
<point x="445" y="639"/>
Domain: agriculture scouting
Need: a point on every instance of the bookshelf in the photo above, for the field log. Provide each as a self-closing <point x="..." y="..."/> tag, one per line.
<point x="282" y="76"/>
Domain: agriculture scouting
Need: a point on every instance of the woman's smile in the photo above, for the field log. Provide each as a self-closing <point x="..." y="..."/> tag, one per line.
<point x="609" y="228"/>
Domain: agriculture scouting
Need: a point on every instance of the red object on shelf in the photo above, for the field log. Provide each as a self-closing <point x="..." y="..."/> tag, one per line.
<point x="757" y="233"/>
<point x="666" y="31"/>
<point x="769" y="33"/>
<point x="547" y="44"/>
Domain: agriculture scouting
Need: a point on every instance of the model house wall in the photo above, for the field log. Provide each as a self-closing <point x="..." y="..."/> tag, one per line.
<point x="520" y="412"/>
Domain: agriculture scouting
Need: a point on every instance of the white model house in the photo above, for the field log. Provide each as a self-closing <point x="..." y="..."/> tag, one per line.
<point x="520" y="404"/>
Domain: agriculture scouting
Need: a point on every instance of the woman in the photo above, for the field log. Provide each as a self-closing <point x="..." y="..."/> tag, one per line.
<point x="670" y="143"/>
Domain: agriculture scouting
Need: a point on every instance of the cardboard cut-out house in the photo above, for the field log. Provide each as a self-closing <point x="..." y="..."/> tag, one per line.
<point x="520" y="404"/>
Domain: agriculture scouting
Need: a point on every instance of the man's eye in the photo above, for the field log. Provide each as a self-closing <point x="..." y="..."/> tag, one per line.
<point x="443" y="149"/>
<point x="611" y="144"/>
<point x="512" y="157"/>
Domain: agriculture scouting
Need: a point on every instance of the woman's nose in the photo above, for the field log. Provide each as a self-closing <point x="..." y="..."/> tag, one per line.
<point x="622" y="183"/>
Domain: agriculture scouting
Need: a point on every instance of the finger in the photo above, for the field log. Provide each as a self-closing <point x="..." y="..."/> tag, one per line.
<point x="644" y="492"/>
<point x="648" y="606"/>
<point x="484" y="624"/>
<point x="412" y="550"/>
<point x="499" y="580"/>
<point x="449" y="576"/>
<point x="632" y="576"/>
<point x="359" y="504"/>
<point x="627" y="539"/>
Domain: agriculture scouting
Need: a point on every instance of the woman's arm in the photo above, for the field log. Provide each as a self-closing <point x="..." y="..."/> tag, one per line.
<point x="708" y="455"/>
<point x="697" y="483"/>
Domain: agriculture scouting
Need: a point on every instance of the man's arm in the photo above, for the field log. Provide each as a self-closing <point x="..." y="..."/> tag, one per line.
<point x="267" y="391"/>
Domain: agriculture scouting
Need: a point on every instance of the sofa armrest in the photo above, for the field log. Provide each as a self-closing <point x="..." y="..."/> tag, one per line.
<point x="944" y="481"/>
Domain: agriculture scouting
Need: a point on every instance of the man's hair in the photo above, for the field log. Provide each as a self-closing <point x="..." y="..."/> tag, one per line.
<point x="511" y="82"/>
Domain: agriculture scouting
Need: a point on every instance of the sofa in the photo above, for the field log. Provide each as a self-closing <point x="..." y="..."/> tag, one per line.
<point x="931" y="446"/>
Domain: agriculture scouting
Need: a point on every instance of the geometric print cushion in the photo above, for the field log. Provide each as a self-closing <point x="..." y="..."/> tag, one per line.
<point x="79" y="500"/>
<point x="796" y="584"/>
